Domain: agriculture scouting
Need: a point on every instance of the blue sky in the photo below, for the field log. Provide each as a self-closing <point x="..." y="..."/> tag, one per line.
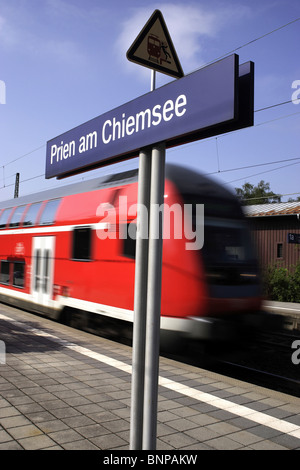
<point x="63" y="62"/>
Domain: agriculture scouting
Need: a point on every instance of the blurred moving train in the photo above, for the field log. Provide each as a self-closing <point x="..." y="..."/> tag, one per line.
<point x="56" y="260"/>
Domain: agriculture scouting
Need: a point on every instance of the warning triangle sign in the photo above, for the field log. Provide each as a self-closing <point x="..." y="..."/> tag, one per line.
<point x="153" y="48"/>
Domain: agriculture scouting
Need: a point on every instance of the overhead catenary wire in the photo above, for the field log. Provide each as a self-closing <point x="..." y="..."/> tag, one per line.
<point x="218" y="137"/>
<point x="224" y="55"/>
<point x="275" y="105"/>
<point x="218" y="58"/>
<point x="261" y="173"/>
<point x="253" y="40"/>
<point x="254" y="166"/>
<point x="268" y="197"/>
<point x="25" y="155"/>
<point x="23" y="181"/>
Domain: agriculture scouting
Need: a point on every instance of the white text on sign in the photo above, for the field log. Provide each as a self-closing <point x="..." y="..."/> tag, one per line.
<point x="117" y="128"/>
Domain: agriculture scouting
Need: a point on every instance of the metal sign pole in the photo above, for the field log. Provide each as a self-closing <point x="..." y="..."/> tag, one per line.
<point x="153" y="297"/>
<point x="140" y="295"/>
<point x="140" y="301"/>
<point x="153" y="80"/>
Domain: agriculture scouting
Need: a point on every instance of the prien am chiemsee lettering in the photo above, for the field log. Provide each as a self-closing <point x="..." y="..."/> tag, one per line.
<point x="127" y="126"/>
<point x="119" y="128"/>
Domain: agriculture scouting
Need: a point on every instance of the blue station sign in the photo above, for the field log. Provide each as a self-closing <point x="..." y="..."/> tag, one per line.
<point x="196" y="106"/>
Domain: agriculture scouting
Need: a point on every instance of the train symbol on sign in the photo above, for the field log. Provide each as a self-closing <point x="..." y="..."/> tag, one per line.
<point x="155" y="48"/>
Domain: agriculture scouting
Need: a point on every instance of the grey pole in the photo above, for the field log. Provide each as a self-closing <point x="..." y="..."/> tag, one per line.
<point x="140" y="296"/>
<point x="17" y="185"/>
<point x="153" y="297"/>
<point x="140" y="301"/>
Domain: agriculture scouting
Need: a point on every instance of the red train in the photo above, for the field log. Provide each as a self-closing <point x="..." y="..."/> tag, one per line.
<point x="59" y="257"/>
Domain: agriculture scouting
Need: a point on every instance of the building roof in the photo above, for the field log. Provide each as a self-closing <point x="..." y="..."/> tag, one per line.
<point x="274" y="209"/>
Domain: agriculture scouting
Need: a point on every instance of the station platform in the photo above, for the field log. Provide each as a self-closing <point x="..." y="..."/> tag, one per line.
<point x="64" y="389"/>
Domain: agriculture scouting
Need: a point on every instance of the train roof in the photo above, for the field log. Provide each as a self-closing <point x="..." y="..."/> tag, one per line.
<point x="187" y="180"/>
<point x="74" y="188"/>
<point x="191" y="182"/>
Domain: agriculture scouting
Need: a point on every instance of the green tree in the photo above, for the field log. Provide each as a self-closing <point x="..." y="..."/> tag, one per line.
<point x="281" y="284"/>
<point x="260" y="194"/>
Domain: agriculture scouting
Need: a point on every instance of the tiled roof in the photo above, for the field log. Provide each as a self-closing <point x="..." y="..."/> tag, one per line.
<point x="265" y="210"/>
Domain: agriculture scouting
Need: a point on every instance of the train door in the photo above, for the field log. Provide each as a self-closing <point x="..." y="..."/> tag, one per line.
<point x="42" y="269"/>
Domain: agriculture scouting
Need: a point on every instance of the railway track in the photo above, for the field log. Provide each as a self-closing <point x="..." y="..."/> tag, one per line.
<point x="264" y="360"/>
<point x="267" y="361"/>
<point x="263" y="378"/>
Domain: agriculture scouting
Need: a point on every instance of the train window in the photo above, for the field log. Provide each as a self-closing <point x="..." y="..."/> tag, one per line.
<point x="214" y="207"/>
<point x="4" y="272"/>
<point x="279" y="250"/>
<point x="4" y="218"/>
<point x="31" y="214"/>
<point x="49" y="213"/>
<point x="129" y="240"/>
<point x="82" y="244"/>
<point x="18" y="276"/>
<point x="17" y="216"/>
<point x="225" y="245"/>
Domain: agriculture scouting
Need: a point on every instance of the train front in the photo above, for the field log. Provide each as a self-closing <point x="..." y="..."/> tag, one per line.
<point x="229" y="281"/>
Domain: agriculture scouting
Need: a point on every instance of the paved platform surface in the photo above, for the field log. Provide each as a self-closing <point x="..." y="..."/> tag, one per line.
<point x="65" y="389"/>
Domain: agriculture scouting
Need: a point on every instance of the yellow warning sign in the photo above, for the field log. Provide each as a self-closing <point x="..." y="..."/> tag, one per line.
<point x="153" y="48"/>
